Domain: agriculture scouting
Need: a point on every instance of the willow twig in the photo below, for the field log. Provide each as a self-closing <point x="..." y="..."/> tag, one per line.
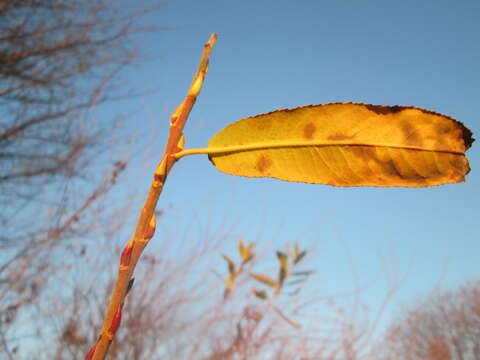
<point x="146" y="223"/>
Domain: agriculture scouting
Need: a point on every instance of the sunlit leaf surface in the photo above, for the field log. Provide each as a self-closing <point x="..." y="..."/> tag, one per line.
<point x="347" y="144"/>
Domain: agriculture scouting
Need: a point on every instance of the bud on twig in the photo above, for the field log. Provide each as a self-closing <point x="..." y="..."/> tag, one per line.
<point x="126" y="255"/>
<point x="116" y="321"/>
<point x="150" y="230"/>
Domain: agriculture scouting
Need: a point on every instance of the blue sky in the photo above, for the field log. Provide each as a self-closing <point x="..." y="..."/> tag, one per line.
<point x="282" y="54"/>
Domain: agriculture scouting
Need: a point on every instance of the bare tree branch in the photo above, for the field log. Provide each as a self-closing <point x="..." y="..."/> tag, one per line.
<point x="58" y="60"/>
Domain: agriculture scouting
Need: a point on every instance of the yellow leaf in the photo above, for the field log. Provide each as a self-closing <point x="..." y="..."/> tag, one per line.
<point x="283" y="267"/>
<point x="242" y="250"/>
<point x="230" y="264"/>
<point x="260" y="294"/>
<point x="346" y="144"/>
<point x="282" y="274"/>
<point x="229" y="282"/>
<point x="299" y="257"/>
<point x="247" y="259"/>
<point x="283" y="259"/>
<point x="228" y="285"/>
<point x="245" y="252"/>
<point x="264" y="279"/>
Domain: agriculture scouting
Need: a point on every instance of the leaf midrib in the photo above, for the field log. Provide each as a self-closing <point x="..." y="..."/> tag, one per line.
<point x="287" y="144"/>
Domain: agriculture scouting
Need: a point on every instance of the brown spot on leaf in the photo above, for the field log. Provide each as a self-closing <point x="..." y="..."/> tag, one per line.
<point x="390" y="168"/>
<point x="384" y="110"/>
<point x="442" y="128"/>
<point x="263" y="164"/>
<point x="460" y="164"/>
<point x="363" y="153"/>
<point x="418" y="180"/>
<point x="309" y="131"/>
<point x="411" y="135"/>
<point x="339" y="136"/>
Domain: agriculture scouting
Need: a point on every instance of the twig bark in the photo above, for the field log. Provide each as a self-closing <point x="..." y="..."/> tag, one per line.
<point x="146" y="223"/>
